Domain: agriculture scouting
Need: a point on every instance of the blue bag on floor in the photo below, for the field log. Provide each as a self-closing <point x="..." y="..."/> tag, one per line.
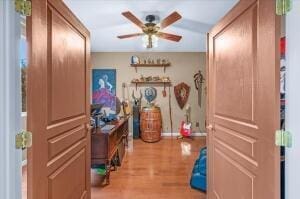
<point x="198" y="178"/>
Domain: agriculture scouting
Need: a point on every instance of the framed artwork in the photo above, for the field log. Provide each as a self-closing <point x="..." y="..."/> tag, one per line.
<point x="104" y="88"/>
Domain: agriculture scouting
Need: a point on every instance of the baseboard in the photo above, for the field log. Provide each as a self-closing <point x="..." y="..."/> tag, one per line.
<point x="24" y="163"/>
<point x="197" y="134"/>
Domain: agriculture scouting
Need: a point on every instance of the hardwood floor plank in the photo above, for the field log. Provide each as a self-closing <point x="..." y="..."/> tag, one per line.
<point x="158" y="170"/>
<point x="151" y="171"/>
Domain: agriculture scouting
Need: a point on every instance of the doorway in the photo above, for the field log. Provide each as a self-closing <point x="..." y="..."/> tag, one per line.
<point x="23" y="65"/>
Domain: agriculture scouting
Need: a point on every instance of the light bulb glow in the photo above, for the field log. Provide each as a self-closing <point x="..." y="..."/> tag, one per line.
<point x="154" y="39"/>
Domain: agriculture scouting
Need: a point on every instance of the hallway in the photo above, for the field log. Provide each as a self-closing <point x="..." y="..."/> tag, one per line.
<point x="160" y="170"/>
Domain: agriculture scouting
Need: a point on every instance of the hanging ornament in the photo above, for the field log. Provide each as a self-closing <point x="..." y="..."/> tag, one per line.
<point x="283" y="6"/>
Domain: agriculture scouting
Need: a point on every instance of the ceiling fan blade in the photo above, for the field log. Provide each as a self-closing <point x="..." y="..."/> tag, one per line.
<point x="133" y="19"/>
<point x="172" y="18"/>
<point x="169" y="36"/>
<point x="130" y="35"/>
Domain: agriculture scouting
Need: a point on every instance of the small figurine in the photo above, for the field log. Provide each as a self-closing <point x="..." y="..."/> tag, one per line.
<point x="135" y="60"/>
<point x="156" y="78"/>
<point x="148" y="79"/>
<point x="165" y="79"/>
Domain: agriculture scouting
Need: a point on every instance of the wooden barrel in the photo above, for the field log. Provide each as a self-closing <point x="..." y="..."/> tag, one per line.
<point x="151" y="124"/>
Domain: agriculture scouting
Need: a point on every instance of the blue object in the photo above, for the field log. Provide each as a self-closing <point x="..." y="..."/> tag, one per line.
<point x="136" y="128"/>
<point x="198" y="178"/>
<point x="150" y="94"/>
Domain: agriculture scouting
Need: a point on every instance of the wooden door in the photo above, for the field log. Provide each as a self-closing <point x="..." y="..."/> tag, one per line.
<point x="244" y="103"/>
<point x="58" y="103"/>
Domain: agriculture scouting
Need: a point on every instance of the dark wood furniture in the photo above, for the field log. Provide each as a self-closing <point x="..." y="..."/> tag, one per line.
<point x="106" y="145"/>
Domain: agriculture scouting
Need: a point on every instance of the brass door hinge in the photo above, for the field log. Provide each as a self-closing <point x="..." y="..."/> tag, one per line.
<point x="23" y="140"/>
<point x="283" y="7"/>
<point x="23" y="7"/>
<point x="283" y="138"/>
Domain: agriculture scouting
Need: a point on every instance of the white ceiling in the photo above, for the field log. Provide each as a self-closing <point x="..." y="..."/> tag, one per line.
<point x="104" y="20"/>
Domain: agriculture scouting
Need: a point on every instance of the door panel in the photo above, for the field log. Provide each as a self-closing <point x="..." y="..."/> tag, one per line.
<point x="243" y="109"/>
<point x="237" y="87"/>
<point x="66" y="69"/>
<point x="58" y="103"/>
<point x="57" y="180"/>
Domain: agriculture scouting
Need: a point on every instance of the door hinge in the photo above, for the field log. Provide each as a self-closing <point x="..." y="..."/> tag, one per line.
<point x="283" y="138"/>
<point x="283" y="7"/>
<point x="23" y="7"/>
<point x="23" y="140"/>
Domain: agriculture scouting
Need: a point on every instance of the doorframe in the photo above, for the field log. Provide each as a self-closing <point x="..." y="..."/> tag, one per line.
<point x="292" y="164"/>
<point x="10" y="102"/>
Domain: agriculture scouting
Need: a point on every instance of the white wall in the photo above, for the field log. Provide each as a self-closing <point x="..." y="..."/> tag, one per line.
<point x="293" y="102"/>
<point x="10" y="102"/>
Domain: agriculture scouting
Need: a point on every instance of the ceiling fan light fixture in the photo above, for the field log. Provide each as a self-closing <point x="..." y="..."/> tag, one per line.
<point x="150" y="41"/>
<point x="151" y="31"/>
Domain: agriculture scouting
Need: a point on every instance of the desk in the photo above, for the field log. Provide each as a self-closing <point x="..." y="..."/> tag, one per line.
<point x="106" y="144"/>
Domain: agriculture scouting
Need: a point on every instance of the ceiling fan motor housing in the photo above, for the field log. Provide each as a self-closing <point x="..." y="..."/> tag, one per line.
<point x="150" y="18"/>
<point x="150" y="27"/>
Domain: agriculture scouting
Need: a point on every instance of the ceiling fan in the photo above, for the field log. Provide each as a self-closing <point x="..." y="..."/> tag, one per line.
<point x="151" y="30"/>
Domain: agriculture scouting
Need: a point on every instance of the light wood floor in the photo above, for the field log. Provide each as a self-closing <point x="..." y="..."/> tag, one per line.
<point x="151" y="171"/>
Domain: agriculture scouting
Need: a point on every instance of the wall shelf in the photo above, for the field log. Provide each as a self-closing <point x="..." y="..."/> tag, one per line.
<point x="150" y="65"/>
<point x="164" y="83"/>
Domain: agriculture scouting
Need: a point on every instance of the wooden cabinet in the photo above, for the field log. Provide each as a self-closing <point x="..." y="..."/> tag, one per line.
<point x="106" y="144"/>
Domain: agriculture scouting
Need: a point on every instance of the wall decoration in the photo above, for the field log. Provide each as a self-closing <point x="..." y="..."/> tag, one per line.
<point x="150" y="94"/>
<point x="151" y="79"/>
<point x="125" y="100"/>
<point x="182" y="92"/>
<point x="170" y="112"/>
<point x="135" y="60"/>
<point x="104" y="88"/>
<point x="136" y="108"/>
<point x="199" y="80"/>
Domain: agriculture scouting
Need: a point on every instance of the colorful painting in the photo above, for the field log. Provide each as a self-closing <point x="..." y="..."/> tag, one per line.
<point x="104" y="88"/>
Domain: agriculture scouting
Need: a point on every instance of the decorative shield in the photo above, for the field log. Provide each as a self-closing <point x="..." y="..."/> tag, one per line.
<point x="182" y="92"/>
<point x="150" y="94"/>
